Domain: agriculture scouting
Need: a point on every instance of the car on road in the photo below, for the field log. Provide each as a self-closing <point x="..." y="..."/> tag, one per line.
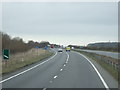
<point x="52" y="46"/>
<point x="60" y="50"/>
<point x="68" y="49"/>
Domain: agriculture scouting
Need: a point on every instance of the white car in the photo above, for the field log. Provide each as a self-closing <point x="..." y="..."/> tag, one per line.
<point x="60" y="50"/>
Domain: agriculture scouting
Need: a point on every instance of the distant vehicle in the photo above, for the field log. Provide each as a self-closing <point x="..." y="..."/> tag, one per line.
<point x="72" y="48"/>
<point x="60" y="50"/>
<point x="52" y="46"/>
<point x="68" y="49"/>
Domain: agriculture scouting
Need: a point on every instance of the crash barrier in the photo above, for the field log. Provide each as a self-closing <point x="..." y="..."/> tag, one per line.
<point x="109" y="60"/>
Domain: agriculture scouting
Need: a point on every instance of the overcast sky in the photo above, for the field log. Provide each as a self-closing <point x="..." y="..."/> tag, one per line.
<point x="62" y="23"/>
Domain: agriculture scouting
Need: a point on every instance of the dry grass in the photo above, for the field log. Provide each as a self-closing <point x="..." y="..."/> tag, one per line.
<point x="19" y="60"/>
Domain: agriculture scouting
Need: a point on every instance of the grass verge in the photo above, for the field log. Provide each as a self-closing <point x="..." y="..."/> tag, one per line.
<point x="12" y="66"/>
<point x="114" y="72"/>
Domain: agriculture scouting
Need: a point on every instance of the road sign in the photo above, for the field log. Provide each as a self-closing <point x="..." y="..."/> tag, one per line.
<point x="6" y="54"/>
<point x="37" y="47"/>
<point x="46" y="47"/>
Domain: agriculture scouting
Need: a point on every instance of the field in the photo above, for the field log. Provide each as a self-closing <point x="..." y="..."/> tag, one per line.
<point x="20" y="60"/>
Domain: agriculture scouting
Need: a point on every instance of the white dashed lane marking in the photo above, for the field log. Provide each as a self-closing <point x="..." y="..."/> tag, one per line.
<point x="55" y="77"/>
<point x="61" y="69"/>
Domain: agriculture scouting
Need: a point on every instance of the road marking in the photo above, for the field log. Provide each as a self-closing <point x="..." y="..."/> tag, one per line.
<point x="50" y="81"/>
<point x="67" y="57"/>
<point x="103" y="81"/>
<point x="27" y="69"/>
<point x="61" y="69"/>
<point x="55" y="77"/>
<point x="44" y="88"/>
<point x="64" y="65"/>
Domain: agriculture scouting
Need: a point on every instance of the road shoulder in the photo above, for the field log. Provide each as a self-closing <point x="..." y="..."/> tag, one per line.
<point x="112" y="83"/>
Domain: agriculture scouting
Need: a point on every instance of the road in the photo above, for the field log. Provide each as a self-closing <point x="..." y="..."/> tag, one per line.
<point x="106" y="53"/>
<point x="63" y="70"/>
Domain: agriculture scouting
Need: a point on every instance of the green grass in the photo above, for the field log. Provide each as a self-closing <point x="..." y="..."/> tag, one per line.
<point x="13" y="66"/>
<point x="109" y="68"/>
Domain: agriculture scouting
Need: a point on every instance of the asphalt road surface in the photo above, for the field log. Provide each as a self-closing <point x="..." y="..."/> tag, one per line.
<point x="63" y="70"/>
<point x="106" y="53"/>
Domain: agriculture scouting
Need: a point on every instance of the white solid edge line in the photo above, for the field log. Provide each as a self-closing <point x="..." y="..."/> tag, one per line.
<point x="27" y="69"/>
<point x="103" y="81"/>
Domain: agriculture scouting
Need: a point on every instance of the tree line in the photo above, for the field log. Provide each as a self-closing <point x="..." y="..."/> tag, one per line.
<point x="17" y="44"/>
<point x="103" y="46"/>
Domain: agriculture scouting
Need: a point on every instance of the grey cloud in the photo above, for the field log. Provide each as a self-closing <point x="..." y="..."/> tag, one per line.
<point x="71" y="19"/>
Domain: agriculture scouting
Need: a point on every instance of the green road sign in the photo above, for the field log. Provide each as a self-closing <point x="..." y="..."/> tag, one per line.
<point x="6" y="54"/>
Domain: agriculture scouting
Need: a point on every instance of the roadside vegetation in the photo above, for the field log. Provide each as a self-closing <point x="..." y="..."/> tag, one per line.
<point x="114" y="72"/>
<point x="103" y="46"/>
<point x="20" y="60"/>
<point x="116" y="50"/>
<point x="21" y="53"/>
<point x="16" y="44"/>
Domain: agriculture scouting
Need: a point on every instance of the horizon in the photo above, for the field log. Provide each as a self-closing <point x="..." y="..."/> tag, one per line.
<point x="62" y="23"/>
<point x="61" y="44"/>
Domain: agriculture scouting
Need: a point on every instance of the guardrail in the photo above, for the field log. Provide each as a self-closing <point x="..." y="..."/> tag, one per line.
<point x="109" y="60"/>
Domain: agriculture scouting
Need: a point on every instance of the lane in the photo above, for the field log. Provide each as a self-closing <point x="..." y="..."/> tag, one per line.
<point x="40" y="76"/>
<point x="78" y="73"/>
<point x="106" y="53"/>
<point x="65" y="70"/>
<point x="24" y="70"/>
